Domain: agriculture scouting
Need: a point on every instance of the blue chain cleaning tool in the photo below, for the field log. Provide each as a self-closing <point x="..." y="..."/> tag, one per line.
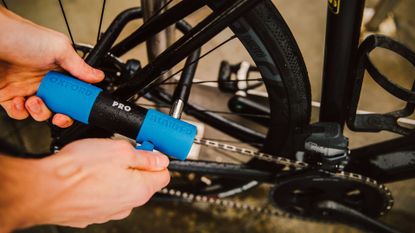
<point x="90" y="105"/>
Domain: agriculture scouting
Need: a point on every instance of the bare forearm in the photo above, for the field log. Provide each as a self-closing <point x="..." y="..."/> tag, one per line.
<point x="12" y="27"/>
<point x="14" y="176"/>
<point x="21" y="36"/>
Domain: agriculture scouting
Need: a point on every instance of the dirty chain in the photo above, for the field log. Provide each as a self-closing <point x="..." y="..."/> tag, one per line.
<point x="287" y="163"/>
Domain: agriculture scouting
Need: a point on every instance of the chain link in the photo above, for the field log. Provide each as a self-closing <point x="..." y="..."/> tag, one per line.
<point x="293" y="164"/>
<point x="224" y="203"/>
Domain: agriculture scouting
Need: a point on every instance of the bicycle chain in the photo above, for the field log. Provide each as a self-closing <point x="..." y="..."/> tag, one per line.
<point x="291" y="164"/>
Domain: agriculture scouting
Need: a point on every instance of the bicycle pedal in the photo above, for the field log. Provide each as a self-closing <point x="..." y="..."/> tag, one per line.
<point x="240" y="71"/>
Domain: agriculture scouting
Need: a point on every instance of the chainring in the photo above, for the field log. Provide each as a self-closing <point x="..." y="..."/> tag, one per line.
<point x="300" y="194"/>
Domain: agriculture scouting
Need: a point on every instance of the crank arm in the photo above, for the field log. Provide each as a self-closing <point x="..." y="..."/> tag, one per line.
<point x="351" y="216"/>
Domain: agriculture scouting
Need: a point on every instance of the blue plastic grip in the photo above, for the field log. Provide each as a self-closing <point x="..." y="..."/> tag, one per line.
<point x="64" y="94"/>
<point x="168" y="135"/>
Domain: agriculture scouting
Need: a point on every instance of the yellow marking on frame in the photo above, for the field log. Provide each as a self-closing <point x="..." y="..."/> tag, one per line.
<point x="334" y="6"/>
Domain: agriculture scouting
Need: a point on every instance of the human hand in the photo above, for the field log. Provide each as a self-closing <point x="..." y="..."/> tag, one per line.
<point x="27" y="52"/>
<point x="88" y="181"/>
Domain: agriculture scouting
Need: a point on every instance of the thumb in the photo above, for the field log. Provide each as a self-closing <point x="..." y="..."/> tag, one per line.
<point x="75" y="65"/>
<point x="148" y="161"/>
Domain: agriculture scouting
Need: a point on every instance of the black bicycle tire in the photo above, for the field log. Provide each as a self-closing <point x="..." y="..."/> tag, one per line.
<point x="267" y="37"/>
<point x="293" y="113"/>
<point x="287" y="116"/>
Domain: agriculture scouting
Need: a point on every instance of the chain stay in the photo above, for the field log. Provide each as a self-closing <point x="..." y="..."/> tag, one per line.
<point x="291" y="164"/>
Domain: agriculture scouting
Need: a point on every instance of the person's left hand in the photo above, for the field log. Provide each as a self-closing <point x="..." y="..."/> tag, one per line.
<point x="27" y="52"/>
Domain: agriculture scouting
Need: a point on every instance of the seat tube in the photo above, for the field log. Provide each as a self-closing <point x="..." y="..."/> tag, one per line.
<point x="344" y="18"/>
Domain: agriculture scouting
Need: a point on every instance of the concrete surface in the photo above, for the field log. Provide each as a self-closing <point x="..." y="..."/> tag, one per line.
<point x="307" y="21"/>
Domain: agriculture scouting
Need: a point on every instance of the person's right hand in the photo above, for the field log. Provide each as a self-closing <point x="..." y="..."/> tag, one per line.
<point x="88" y="181"/>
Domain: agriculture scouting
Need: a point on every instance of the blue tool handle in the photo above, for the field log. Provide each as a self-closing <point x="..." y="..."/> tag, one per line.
<point x="90" y="105"/>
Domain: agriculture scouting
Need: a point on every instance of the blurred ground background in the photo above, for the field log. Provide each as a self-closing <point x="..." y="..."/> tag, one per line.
<point x="307" y="22"/>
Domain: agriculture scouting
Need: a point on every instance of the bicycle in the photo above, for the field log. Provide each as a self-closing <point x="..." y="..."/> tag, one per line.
<point x="312" y="153"/>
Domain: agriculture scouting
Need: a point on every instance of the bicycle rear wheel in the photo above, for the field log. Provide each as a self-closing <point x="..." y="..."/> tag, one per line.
<point x="270" y="44"/>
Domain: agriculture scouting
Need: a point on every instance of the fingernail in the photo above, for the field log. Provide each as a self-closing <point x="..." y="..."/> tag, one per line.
<point x="98" y="74"/>
<point x="61" y="121"/>
<point x="35" y="106"/>
<point x="66" y="123"/>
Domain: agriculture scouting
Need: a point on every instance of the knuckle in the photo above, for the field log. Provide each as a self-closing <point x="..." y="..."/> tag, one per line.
<point x="149" y="161"/>
<point x="125" y="149"/>
<point x="62" y="45"/>
<point x="63" y="39"/>
<point x="123" y="145"/>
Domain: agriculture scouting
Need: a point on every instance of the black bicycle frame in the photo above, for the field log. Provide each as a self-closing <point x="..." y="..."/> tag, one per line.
<point x="150" y="74"/>
<point x="182" y="48"/>
<point x="341" y="48"/>
<point x="387" y="161"/>
<point x="342" y="40"/>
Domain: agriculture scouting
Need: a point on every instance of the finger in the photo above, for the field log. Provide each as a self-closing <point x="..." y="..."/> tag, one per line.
<point x="155" y="181"/>
<point x="74" y="64"/>
<point x="149" y="184"/>
<point x="121" y="215"/>
<point x="27" y="88"/>
<point x="15" y="108"/>
<point x="61" y="120"/>
<point x="149" y="161"/>
<point x="118" y="216"/>
<point x="37" y="109"/>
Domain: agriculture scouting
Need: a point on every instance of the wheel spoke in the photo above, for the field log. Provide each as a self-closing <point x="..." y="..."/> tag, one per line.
<point x="101" y="18"/>
<point x="186" y="66"/>
<point x="66" y="22"/>
<point x="238" y="114"/>
<point x="158" y="11"/>
<point x="211" y="111"/>
<point x="216" y="81"/>
<point x="4" y="4"/>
